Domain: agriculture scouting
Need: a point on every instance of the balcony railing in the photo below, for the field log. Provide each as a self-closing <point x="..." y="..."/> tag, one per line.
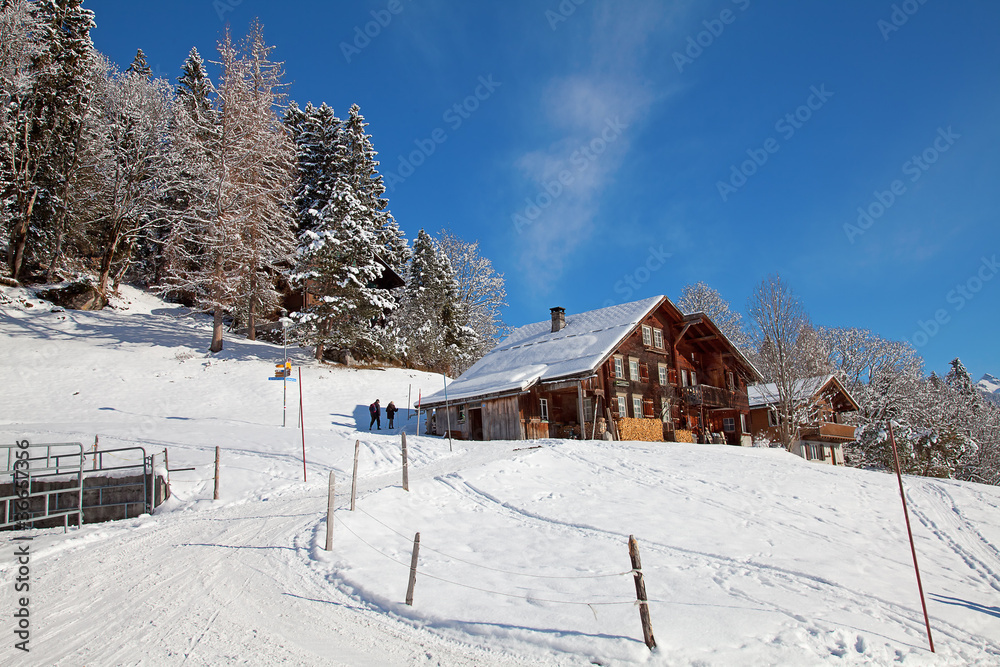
<point x="714" y="397"/>
<point x="827" y="431"/>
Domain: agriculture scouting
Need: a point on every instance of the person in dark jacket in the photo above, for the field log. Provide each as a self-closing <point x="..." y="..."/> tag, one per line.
<point x="390" y="412"/>
<point x="375" y="410"/>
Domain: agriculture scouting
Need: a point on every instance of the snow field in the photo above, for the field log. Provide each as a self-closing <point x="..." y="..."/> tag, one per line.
<point x="750" y="556"/>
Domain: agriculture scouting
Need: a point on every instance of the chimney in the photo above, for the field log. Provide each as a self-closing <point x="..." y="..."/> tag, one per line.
<point x="558" y="318"/>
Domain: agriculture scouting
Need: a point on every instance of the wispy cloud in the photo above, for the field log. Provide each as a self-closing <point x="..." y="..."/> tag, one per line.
<point x="595" y="114"/>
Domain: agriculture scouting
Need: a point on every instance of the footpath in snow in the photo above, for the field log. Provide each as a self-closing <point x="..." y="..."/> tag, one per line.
<point x="750" y="557"/>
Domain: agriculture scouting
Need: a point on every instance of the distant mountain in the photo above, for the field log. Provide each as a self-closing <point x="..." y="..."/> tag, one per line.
<point x="990" y="386"/>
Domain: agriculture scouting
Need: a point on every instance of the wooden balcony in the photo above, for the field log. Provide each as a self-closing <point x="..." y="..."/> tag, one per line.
<point x="827" y="432"/>
<point x="714" y="397"/>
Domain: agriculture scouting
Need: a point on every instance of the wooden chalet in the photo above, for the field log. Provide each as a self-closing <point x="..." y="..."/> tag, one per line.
<point x="827" y="404"/>
<point x="640" y="370"/>
<point x="299" y="299"/>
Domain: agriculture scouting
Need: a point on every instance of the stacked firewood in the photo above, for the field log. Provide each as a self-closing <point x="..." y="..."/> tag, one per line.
<point x="648" y="430"/>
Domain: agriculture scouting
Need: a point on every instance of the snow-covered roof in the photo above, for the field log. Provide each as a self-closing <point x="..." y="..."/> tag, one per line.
<point x="533" y="353"/>
<point x="767" y="394"/>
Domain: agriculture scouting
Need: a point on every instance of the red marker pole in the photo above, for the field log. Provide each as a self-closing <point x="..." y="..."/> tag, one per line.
<point x="302" y="422"/>
<point x="913" y="549"/>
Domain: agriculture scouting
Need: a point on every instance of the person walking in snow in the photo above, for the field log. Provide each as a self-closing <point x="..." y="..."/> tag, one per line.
<point x="375" y="410"/>
<point x="390" y="412"/>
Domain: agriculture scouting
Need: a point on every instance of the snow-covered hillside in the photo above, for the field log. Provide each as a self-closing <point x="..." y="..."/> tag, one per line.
<point x="750" y="556"/>
<point x="990" y="386"/>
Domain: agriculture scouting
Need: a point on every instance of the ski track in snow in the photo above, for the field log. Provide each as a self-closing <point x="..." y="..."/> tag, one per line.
<point x="944" y="520"/>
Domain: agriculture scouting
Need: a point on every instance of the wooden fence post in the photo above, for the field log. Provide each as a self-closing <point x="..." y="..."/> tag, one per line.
<point x="354" y="477"/>
<point x="166" y="464"/>
<point x="406" y="469"/>
<point x="329" y="516"/>
<point x="413" y="570"/>
<point x="216" y="496"/>
<point x="95" y="452"/>
<point x="640" y="593"/>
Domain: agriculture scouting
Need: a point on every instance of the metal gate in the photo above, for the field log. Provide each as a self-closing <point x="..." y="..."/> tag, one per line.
<point x="109" y="492"/>
<point x="41" y="482"/>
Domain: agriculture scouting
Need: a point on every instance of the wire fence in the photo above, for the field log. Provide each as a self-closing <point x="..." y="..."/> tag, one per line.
<point x="529" y="598"/>
<point x="494" y="569"/>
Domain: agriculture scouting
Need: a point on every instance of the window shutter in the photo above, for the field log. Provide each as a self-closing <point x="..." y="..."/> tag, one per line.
<point x="644" y="372"/>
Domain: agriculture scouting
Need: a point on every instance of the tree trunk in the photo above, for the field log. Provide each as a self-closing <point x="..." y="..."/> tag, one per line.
<point x="126" y="263"/>
<point x="217" y="331"/>
<point x="55" y="253"/>
<point x="252" y="319"/>
<point x="320" y="338"/>
<point x="19" y="239"/>
<point x="108" y="258"/>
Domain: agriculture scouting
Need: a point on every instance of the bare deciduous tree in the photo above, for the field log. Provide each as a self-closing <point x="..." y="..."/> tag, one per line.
<point x="700" y="298"/>
<point x="777" y="319"/>
<point x="481" y="290"/>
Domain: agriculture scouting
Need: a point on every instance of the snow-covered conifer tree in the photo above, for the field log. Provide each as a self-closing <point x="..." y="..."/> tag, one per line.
<point x="49" y="117"/>
<point x="346" y="233"/>
<point x="18" y="47"/>
<point x="432" y="318"/>
<point x="139" y="65"/>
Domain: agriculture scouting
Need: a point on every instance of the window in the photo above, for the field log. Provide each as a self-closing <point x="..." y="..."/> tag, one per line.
<point x="772" y="418"/>
<point x="588" y="409"/>
<point x="684" y="377"/>
<point x="658" y="338"/>
<point x="637" y="406"/>
<point x="543" y="404"/>
<point x="647" y="335"/>
<point x="644" y="372"/>
<point x="619" y="367"/>
<point x="461" y="414"/>
<point x="665" y="413"/>
<point x="728" y="424"/>
<point x="743" y="423"/>
<point x="633" y="369"/>
<point x="662" y="368"/>
<point x="732" y="384"/>
<point x="694" y="378"/>
<point x="622" y="411"/>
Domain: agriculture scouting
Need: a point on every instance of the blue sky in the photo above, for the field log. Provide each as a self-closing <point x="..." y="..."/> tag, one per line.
<point x="606" y="151"/>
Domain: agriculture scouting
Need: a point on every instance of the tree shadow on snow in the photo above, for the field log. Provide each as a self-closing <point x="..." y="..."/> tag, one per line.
<point x="974" y="606"/>
<point x="193" y="331"/>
